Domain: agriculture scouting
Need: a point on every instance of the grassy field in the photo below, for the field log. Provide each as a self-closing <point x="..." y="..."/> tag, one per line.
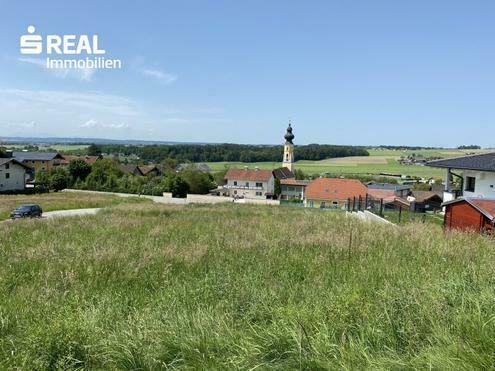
<point x="379" y="161"/>
<point x="60" y="201"/>
<point x="345" y="166"/>
<point x="146" y="286"/>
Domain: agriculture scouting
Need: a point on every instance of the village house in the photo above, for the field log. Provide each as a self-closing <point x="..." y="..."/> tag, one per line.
<point x="400" y="190"/>
<point x="140" y="170"/>
<point x="422" y="201"/>
<point x="260" y="184"/>
<point x="249" y="183"/>
<point x="333" y="192"/>
<point x="12" y="175"/>
<point x="292" y="189"/>
<point x="476" y="214"/>
<point x="476" y="176"/>
<point x="37" y="161"/>
<point x="149" y="170"/>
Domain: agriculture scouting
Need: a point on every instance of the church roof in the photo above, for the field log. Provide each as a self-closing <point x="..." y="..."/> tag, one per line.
<point x="289" y="137"/>
<point x="283" y="173"/>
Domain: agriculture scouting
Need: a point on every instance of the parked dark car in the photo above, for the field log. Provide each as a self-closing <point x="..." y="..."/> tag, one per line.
<point x="27" y="211"/>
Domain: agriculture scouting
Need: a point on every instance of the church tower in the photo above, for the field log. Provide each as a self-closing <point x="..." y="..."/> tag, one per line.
<point x="288" y="160"/>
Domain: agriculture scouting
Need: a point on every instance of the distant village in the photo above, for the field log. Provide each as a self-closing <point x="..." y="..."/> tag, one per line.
<point x="465" y="199"/>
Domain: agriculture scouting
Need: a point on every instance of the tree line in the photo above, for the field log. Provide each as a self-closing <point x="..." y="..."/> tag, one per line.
<point x="226" y="152"/>
<point x="106" y="175"/>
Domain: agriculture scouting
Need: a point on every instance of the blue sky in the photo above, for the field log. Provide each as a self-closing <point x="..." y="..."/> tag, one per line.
<point x="345" y="72"/>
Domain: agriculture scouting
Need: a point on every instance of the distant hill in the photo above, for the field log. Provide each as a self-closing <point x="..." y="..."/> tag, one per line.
<point x="56" y="140"/>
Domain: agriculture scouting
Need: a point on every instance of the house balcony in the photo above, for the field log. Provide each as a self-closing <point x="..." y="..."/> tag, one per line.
<point x="252" y="188"/>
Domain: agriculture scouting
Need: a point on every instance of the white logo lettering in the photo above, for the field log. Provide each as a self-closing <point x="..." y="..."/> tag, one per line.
<point x="31" y="44"/>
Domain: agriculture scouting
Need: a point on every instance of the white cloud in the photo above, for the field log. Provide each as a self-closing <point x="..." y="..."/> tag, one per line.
<point x="164" y="77"/>
<point x="92" y="123"/>
<point x="58" y="113"/>
<point x="83" y="74"/>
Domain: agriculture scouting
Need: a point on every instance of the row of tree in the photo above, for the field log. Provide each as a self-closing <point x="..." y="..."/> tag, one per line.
<point x="225" y="152"/>
<point x="105" y="175"/>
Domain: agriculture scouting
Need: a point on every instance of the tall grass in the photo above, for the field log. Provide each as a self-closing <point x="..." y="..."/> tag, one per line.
<point x="243" y="287"/>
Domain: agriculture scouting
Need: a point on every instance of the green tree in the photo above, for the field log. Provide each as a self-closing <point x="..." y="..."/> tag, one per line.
<point x="278" y="188"/>
<point x="94" y="150"/>
<point x="55" y="179"/>
<point x="176" y="185"/>
<point x="59" y="179"/>
<point x="199" y="182"/>
<point x="169" y="164"/>
<point x="79" y="170"/>
<point x="102" y="171"/>
<point x="300" y="175"/>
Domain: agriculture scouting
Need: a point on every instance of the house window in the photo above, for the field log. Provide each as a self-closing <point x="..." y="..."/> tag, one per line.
<point x="259" y="194"/>
<point x="235" y="182"/>
<point x="7" y="175"/>
<point x="323" y="204"/>
<point x="290" y="189"/>
<point x="259" y="184"/>
<point x="247" y="184"/>
<point x="470" y="183"/>
<point x="7" y="166"/>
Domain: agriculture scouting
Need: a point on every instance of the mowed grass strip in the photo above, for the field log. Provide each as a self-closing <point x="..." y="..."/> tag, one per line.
<point x="62" y="201"/>
<point x="241" y="287"/>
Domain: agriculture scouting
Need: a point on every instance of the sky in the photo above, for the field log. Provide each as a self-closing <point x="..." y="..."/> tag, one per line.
<point x="344" y="72"/>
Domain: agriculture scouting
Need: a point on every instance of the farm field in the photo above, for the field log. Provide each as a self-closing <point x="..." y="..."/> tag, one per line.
<point x="379" y="161"/>
<point x="147" y="286"/>
<point x="342" y="166"/>
<point x="57" y="147"/>
<point x="60" y="201"/>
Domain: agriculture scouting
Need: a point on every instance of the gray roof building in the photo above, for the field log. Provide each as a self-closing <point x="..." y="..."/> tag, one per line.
<point x="481" y="162"/>
<point x="36" y="156"/>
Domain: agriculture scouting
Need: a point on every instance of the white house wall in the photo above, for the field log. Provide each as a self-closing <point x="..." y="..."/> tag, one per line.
<point x="15" y="180"/>
<point x="484" y="185"/>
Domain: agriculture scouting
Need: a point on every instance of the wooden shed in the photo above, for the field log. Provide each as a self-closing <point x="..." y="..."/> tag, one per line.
<point x="476" y="214"/>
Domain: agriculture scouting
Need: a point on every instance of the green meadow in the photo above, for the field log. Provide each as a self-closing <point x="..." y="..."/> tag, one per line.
<point x="147" y="286"/>
<point x="379" y="161"/>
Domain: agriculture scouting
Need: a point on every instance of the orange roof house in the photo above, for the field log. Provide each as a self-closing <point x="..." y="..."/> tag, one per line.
<point x="249" y="183"/>
<point x="324" y="192"/>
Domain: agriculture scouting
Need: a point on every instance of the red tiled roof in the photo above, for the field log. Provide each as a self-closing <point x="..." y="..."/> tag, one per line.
<point x="292" y="181"/>
<point x="90" y="160"/>
<point x="335" y="189"/>
<point x="381" y="194"/>
<point x="146" y="169"/>
<point x="487" y="207"/>
<point x="249" y="174"/>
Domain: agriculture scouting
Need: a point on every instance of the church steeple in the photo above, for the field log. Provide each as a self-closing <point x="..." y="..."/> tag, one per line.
<point x="288" y="160"/>
<point x="289" y="136"/>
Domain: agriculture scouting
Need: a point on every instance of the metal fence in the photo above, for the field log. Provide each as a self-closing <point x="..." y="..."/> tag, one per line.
<point x="396" y="211"/>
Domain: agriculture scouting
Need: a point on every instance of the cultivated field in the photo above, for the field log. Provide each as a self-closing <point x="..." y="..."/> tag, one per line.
<point x="379" y="161"/>
<point x="60" y="201"/>
<point x="146" y="286"/>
